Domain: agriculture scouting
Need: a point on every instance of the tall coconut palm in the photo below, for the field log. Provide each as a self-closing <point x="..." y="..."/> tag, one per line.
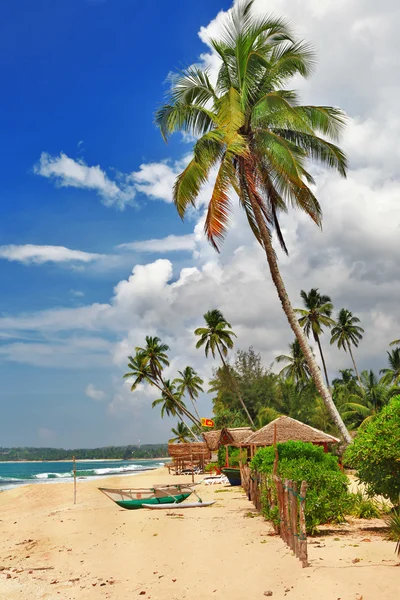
<point x="147" y="367"/>
<point x="216" y="337"/>
<point x="297" y="367"/>
<point x="392" y="374"/>
<point x="346" y="333"/>
<point x="182" y="433"/>
<point x="317" y="312"/>
<point x="189" y="382"/>
<point x="255" y="135"/>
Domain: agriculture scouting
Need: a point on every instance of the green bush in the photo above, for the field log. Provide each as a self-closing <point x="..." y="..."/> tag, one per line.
<point x="375" y="453"/>
<point x="327" y="492"/>
<point x="361" y="507"/>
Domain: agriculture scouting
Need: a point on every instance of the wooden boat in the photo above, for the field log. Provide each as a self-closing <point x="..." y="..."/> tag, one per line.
<point x="233" y="475"/>
<point x="132" y="498"/>
<point x="187" y="505"/>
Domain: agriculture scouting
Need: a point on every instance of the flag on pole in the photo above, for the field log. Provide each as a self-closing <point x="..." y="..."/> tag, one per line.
<point x="207" y="423"/>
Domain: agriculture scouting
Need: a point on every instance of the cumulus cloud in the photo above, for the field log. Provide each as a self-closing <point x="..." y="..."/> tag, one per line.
<point x="31" y="254"/>
<point x="94" y="393"/>
<point x="171" y="243"/>
<point x="67" y="172"/>
<point x="157" y="179"/>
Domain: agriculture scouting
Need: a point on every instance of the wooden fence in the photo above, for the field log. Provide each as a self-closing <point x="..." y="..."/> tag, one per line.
<point x="289" y="503"/>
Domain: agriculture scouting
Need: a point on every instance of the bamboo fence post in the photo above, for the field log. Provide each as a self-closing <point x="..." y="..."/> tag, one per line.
<point x="74" y="469"/>
<point x="191" y="460"/>
<point x="281" y="505"/>
<point x="288" y="524"/>
<point x="303" y="553"/>
<point x="295" y="518"/>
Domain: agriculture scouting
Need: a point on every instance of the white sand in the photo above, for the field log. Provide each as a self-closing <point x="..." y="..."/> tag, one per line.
<point x="97" y="550"/>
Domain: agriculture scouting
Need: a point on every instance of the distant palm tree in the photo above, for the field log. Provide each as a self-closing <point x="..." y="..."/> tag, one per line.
<point x="252" y="131"/>
<point x="216" y="337"/>
<point x="182" y="433"/>
<point x="297" y="367"/>
<point x="346" y="332"/>
<point x="171" y="403"/>
<point x="392" y="374"/>
<point x="190" y="382"/>
<point x="147" y="367"/>
<point x="317" y="313"/>
<point x="362" y="407"/>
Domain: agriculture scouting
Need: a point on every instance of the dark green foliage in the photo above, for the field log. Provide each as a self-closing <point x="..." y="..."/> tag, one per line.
<point x="327" y="493"/>
<point x="375" y="453"/>
<point x="116" y="452"/>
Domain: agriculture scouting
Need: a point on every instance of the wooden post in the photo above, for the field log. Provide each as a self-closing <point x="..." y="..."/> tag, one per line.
<point x="191" y="460"/>
<point x="276" y="453"/>
<point x="281" y="506"/>
<point x="294" y="514"/>
<point x="74" y="469"/>
<point x="288" y="525"/>
<point x="303" y="553"/>
<point x="226" y="457"/>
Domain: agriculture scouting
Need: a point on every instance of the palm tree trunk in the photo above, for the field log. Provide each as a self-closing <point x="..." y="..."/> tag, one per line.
<point x="195" y="407"/>
<point x="186" y="425"/>
<point x="323" y="360"/>
<point x="292" y="318"/>
<point x="235" y="385"/>
<point x="179" y="406"/>
<point x="355" y="367"/>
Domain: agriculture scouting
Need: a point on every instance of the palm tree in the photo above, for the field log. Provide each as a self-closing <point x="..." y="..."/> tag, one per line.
<point x="147" y="367"/>
<point x="190" y="382"/>
<point x="182" y="433"/>
<point x="254" y="134"/>
<point x="171" y="403"/>
<point x="392" y="374"/>
<point x="394" y="343"/>
<point x="297" y="367"/>
<point x="361" y="408"/>
<point x="217" y="337"/>
<point x="317" y="313"/>
<point x="345" y="333"/>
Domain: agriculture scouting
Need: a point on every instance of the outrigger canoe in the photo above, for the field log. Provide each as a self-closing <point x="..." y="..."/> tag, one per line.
<point x="132" y="498"/>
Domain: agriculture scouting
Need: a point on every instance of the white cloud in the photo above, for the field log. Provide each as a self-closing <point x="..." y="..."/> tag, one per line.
<point x="29" y="253"/>
<point x="67" y="172"/>
<point x="76" y="293"/>
<point x="94" y="393"/>
<point x="171" y="243"/>
<point x="157" y="179"/>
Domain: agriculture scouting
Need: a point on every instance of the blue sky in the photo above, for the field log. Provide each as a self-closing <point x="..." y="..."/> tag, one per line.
<point x="83" y="170"/>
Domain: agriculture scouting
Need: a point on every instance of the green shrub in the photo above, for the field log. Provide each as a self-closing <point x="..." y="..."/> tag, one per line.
<point x="361" y="507"/>
<point x="375" y="453"/>
<point x="327" y="492"/>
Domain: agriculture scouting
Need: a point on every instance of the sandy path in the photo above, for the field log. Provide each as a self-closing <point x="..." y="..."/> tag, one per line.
<point x="97" y="550"/>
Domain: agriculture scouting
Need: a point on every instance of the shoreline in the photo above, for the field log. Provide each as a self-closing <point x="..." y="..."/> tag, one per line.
<point x="64" y="460"/>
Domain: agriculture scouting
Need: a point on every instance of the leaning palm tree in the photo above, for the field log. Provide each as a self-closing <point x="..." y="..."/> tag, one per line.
<point x="317" y="312"/>
<point x="190" y="382"/>
<point x="172" y="404"/>
<point x="253" y="133"/>
<point x="346" y="333"/>
<point x="182" y="433"/>
<point x="147" y="367"/>
<point x="392" y="374"/>
<point x="216" y="337"/>
<point x="297" y="367"/>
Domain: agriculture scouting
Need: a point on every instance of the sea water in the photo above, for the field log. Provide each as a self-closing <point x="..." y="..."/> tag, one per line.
<point x="20" y="473"/>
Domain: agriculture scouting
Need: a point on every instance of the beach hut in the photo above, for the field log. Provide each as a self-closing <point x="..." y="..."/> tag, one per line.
<point x="189" y="456"/>
<point x="211" y="438"/>
<point x="288" y="429"/>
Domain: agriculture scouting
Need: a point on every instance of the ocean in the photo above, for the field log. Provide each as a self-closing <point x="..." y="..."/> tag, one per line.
<point x="13" y="474"/>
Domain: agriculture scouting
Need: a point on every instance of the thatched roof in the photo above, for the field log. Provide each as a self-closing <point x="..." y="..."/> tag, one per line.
<point x="234" y="436"/>
<point x="211" y="438"/>
<point x="195" y="450"/>
<point x="288" y="429"/>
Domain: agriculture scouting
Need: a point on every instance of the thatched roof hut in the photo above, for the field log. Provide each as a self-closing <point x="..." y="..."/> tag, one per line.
<point x="288" y="429"/>
<point x="211" y="438"/>
<point x="197" y="450"/>
<point x="234" y="436"/>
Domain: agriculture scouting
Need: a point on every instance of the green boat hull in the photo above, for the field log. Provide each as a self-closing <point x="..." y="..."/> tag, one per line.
<point x="233" y="475"/>
<point x="138" y="503"/>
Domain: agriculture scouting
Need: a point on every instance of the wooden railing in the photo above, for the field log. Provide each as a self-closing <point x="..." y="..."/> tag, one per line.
<point x="289" y="505"/>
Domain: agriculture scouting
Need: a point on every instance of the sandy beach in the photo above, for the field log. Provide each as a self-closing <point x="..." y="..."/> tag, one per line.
<point x="51" y="549"/>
